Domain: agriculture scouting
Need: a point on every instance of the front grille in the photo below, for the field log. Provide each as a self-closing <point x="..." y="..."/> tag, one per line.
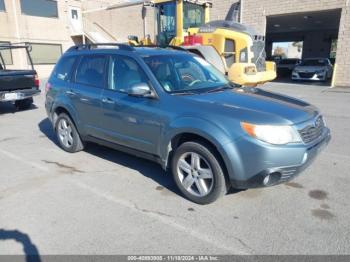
<point x="306" y="75"/>
<point x="313" y="131"/>
<point x="259" y="58"/>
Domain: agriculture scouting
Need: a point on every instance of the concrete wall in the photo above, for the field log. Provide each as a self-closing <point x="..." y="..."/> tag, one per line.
<point x="125" y="21"/>
<point x="22" y="28"/>
<point x="220" y="9"/>
<point x="343" y="49"/>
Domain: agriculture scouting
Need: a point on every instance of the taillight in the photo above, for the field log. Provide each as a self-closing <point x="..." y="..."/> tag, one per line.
<point x="36" y="81"/>
<point x="193" y="40"/>
<point x="47" y="87"/>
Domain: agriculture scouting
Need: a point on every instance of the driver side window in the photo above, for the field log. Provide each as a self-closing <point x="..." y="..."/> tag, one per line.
<point x="124" y="72"/>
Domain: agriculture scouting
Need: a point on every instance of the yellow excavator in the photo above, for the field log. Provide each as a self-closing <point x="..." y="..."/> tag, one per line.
<point x="233" y="48"/>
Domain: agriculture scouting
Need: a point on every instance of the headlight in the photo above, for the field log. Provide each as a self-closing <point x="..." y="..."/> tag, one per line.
<point x="276" y="135"/>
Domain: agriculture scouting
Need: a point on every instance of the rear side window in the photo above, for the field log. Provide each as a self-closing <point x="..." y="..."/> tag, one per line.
<point x="91" y="71"/>
<point x="64" y="68"/>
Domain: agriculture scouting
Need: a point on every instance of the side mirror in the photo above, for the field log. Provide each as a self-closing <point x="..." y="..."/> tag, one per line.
<point x="141" y="90"/>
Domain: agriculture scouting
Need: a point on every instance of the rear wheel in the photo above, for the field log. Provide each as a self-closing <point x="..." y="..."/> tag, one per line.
<point x="24" y="104"/>
<point x="67" y="134"/>
<point x="197" y="173"/>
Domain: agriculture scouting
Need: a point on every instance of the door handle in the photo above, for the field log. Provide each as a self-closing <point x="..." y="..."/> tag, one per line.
<point x="108" y="100"/>
<point x="70" y="93"/>
<point x="84" y="100"/>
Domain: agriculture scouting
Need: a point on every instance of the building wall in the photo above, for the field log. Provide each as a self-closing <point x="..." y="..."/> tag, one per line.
<point x="125" y="21"/>
<point x="220" y="9"/>
<point x="24" y="28"/>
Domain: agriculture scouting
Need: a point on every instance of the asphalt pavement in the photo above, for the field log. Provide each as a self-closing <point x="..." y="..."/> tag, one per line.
<point x="101" y="201"/>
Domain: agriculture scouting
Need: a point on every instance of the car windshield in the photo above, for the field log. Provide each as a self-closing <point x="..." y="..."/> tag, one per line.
<point x="313" y="62"/>
<point x="185" y="73"/>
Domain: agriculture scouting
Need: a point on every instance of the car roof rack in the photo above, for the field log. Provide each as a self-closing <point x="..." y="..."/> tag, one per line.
<point x="4" y="46"/>
<point x="179" y="48"/>
<point x="124" y="47"/>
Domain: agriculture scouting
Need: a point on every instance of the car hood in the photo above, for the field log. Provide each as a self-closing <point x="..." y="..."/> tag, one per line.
<point x="254" y="105"/>
<point x="310" y="68"/>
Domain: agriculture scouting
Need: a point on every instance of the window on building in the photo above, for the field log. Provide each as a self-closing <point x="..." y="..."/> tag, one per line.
<point x="43" y="54"/>
<point x="6" y="54"/>
<point x="91" y="71"/>
<point x="2" y="5"/>
<point x="43" y="8"/>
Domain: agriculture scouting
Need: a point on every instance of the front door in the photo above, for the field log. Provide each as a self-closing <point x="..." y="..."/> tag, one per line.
<point x="129" y="121"/>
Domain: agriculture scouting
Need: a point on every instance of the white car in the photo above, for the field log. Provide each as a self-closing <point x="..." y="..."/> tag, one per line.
<point x="314" y="69"/>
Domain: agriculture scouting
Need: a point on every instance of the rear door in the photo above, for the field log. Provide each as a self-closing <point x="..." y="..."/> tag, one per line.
<point x="89" y="81"/>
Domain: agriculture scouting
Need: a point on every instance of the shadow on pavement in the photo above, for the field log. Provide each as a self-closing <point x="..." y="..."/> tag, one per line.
<point x="147" y="168"/>
<point x="46" y="128"/>
<point x="30" y="250"/>
<point x="9" y="108"/>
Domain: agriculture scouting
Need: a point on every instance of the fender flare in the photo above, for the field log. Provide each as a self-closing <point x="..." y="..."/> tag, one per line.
<point x="195" y="126"/>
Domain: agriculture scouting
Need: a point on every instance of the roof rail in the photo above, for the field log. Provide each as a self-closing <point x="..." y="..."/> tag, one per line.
<point x="4" y="46"/>
<point x="179" y="48"/>
<point x="125" y="47"/>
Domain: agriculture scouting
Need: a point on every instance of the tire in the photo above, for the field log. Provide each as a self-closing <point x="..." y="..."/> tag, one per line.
<point x="24" y="104"/>
<point x="193" y="179"/>
<point x="67" y="134"/>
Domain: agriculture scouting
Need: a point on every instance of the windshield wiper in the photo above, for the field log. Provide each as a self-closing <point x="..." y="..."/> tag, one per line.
<point x="184" y="93"/>
<point x="221" y="88"/>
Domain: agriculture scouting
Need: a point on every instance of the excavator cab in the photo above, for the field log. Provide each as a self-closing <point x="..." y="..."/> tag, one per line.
<point x="233" y="48"/>
<point x="175" y="17"/>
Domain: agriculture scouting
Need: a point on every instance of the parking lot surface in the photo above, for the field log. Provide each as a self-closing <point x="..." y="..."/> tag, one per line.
<point x="101" y="201"/>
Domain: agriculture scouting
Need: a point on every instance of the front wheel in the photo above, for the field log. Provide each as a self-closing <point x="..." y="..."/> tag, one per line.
<point x="198" y="173"/>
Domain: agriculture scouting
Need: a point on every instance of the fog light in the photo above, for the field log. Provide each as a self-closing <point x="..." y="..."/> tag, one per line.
<point x="266" y="180"/>
<point x="304" y="158"/>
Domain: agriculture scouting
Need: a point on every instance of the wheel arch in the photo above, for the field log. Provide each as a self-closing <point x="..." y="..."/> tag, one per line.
<point x="62" y="108"/>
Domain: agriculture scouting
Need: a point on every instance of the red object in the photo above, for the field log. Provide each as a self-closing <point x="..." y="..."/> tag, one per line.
<point x="193" y="40"/>
<point x="36" y="81"/>
<point x="47" y="87"/>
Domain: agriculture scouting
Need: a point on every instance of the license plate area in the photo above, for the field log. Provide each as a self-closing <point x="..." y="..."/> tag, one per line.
<point x="11" y="96"/>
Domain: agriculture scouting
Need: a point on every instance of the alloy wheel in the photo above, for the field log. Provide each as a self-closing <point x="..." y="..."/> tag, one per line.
<point x="195" y="174"/>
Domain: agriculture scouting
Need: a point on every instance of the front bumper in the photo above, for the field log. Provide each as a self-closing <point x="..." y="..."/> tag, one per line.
<point x="280" y="164"/>
<point x="308" y="76"/>
<point x="18" y="94"/>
